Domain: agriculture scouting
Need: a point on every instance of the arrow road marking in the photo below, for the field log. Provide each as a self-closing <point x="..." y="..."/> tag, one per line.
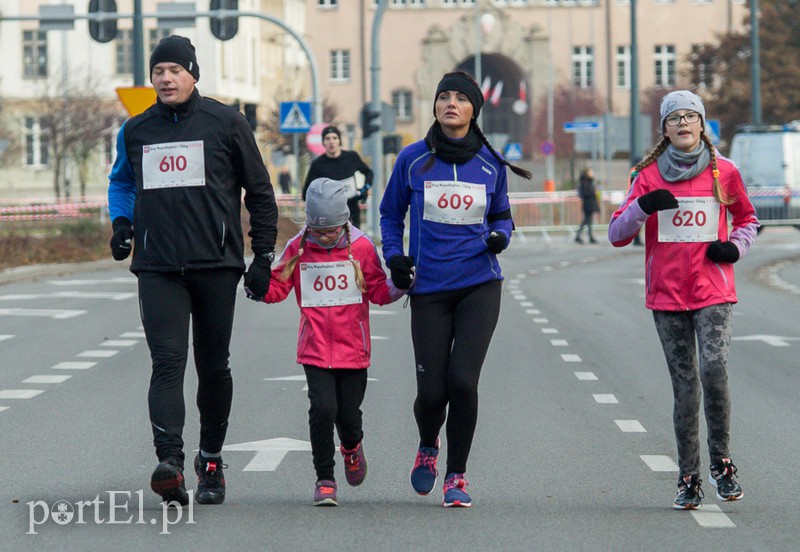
<point x="774" y="340"/>
<point x="269" y="452"/>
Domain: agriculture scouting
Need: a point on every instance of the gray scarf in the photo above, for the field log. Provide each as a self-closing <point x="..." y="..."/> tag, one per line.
<point x="675" y="165"/>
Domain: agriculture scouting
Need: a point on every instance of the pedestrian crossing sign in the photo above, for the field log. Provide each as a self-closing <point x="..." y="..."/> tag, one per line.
<point x="513" y="151"/>
<point x="295" y="117"/>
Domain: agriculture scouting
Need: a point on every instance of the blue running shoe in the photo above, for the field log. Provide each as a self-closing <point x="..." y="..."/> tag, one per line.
<point x="423" y="474"/>
<point x="454" y="493"/>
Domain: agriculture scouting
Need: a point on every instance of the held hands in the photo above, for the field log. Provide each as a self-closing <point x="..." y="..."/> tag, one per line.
<point x="121" y="240"/>
<point x="496" y="242"/>
<point x="722" y="252"/>
<point x="657" y="200"/>
<point x="402" y="268"/>
<point x="257" y="278"/>
<point x="364" y="194"/>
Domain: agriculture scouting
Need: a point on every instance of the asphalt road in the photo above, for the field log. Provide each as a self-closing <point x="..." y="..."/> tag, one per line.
<point x="574" y="448"/>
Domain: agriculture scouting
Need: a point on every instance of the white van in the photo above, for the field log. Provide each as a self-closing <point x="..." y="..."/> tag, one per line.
<point x="768" y="157"/>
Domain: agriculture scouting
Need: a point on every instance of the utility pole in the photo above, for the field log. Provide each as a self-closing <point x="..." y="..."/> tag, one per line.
<point x="375" y="106"/>
<point x="634" y="89"/>
<point x="755" y="65"/>
<point x="138" y="44"/>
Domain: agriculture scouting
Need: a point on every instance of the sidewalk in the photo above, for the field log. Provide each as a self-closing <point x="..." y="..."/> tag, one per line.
<point x="33" y="272"/>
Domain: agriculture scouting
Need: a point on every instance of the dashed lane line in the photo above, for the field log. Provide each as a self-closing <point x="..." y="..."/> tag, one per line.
<point x="46" y="379"/>
<point x="586" y="376"/>
<point x="630" y="426"/>
<point x="20" y="393"/>
<point x="659" y="462"/>
<point x="119" y="343"/>
<point x="98" y="354"/>
<point x="605" y="398"/>
<point x="4" y="337"/>
<point x="571" y="358"/>
<point x="712" y="516"/>
<point x="73" y="365"/>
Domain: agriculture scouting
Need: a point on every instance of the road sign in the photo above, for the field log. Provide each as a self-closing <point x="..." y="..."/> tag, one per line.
<point x="513" y="151"/>
<point x="582" y="126"/>
<point x="712" y="130"/>
<point x="314" y="138"/>
<point x="136" y="98"/>
<point x="547" y="148"/>
<point x="295" y="117"/>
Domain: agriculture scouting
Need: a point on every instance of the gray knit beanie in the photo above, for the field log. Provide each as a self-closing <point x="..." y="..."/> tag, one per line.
<point x="681" y="99"/>
<point x="326" y="204"/>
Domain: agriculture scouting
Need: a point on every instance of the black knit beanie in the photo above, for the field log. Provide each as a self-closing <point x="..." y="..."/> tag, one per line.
<point x="461" y="82"/>
<point x="175" y="49"/>
<point x="328" y="129"/>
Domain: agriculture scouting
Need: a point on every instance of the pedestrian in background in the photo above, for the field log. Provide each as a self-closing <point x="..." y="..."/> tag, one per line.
<point x="683" y="193"/>
<point x="455" y="185"/>
<point x="588" y="195"/>
<point x="285" y="181"/>
<point x="339" y="274"/>
<point x="176" y="190"/>
<point x="342" y="165"/>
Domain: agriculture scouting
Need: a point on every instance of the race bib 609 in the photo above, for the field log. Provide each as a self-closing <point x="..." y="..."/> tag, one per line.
<point x="452" y="202"/>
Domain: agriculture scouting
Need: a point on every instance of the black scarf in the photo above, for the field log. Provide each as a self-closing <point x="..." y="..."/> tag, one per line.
<point x="452" y="151"/>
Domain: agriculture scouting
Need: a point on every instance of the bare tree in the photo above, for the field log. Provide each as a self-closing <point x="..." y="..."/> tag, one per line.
<point x="9" y="143"/>
<point x="75" y="118"/>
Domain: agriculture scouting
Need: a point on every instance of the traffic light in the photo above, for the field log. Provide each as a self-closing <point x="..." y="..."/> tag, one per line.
<point x="250" y="115"/>
<point x="107" y="30"/>
<point x="224" y="29"/>
<point x="370" y="121"/>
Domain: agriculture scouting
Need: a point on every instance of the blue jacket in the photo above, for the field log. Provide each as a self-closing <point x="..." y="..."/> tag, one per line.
<point x="448" y="256"/>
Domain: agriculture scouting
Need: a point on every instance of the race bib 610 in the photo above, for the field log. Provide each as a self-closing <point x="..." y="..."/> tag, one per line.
<point x="173" y="165"/>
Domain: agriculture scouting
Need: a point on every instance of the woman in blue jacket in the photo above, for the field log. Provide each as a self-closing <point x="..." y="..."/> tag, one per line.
<point x="455" y="185"/>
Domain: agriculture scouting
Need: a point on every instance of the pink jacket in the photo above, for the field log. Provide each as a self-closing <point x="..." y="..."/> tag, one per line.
<point x="678" y="274"/>
<point x="335" y="336"/>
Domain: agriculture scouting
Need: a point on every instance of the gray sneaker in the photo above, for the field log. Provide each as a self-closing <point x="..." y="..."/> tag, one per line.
<point x="690" y="495"/>
<point x="723" y="477"/>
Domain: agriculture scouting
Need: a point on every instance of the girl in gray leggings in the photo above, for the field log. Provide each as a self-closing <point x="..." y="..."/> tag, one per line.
<point x="684" y="195"/>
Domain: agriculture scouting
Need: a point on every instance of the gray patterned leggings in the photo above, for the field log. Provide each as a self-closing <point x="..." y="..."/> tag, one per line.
<point x="712" y="328"/>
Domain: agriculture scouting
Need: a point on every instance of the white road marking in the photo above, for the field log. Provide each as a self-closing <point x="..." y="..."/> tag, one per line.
<point x="659" y="462"/>
<point x="374" y="312"/>
<point x="526" y="304"/>
<point x="774" y="340"/>
<point x="558" y="342"/>
<point x="114" y="296"/>
<point x="586" y="376"/>
<point x="56" y="314"/>
<point x="20" y="393"/>
<point x="74" y="365"/>
<point x="119" y="343"/>
<point x="130" y="280"/>
<point x="533" y="311"/>
<point x="571" y="358"/>
<point x="99" y="354"/>
<point x="380" y="338"/>
<point x="605" y="398"/>
<point x="4" y="337"/>
<point x="549" y="330"/>
<point x="3" y="408"/>
<point x="133" y="334"/>
<point x="46" y="379"/>
<point x="541" y="320"/>
<point x="711" y="516"/>
<point x="630" y="426"/>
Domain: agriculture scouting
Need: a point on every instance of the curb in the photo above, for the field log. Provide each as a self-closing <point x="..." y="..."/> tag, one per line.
<point x="34" y="272"/>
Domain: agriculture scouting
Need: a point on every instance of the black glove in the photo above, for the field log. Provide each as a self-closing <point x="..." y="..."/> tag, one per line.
<point x="496" y="242"/>
<point x="257" y="277"/>
<point x="657" y="200"/>
<point x="121" y="240"/>
<point x="722" y="252"/>
<point x="364" y="193"/>
<point x="402" y="268"/>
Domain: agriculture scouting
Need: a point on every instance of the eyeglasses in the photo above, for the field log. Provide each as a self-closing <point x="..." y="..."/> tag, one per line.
<point x="691" y="118"/>
<point x="320" y="232"/>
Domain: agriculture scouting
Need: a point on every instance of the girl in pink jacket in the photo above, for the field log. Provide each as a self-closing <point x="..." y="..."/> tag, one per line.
<point x="683" y="192"/>
<point x="335" y="272"/>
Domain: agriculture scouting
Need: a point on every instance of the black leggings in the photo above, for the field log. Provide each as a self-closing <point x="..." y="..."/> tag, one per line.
<point x="451" y="332"/>
<point x="336" y="396"/>
<point x="167" y="301"/>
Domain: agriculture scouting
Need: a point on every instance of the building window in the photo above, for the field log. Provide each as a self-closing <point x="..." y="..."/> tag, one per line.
<point x="703" y="70"/>
<point x="401" y="103"/>
<point x="340" y="65"/>
<point x="327" y="3"/>
<point x="583" y="66"/>
<point x="623" y="59"/>
<point x="124" y="52"/>
<point x="155" y="36"/>
<point x="34" y="54"/>
<point x="665" y="65"/>
<point x="36" y="144"/>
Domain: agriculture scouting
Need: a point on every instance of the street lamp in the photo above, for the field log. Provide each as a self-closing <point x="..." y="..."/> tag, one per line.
<point x="484" y="23"/>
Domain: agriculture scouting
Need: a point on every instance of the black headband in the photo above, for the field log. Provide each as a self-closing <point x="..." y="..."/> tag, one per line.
<point x="461" y="82"/>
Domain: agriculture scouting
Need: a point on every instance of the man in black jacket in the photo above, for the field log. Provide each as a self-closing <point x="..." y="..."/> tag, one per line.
<point x="175" y="191"/>
<point x="341" y="165"/>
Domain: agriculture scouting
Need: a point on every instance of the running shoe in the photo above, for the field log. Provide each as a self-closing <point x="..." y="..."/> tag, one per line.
<point x="355" y="465"/>
<point x="210" y="480"/>
<point x="454" y="493"/>
<point x="325" y="493"/>
<point x="423" y="474"/>
<point x="168" y="482"/>
<point x="723" y="477"/>
<point x="690" y="493"/>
